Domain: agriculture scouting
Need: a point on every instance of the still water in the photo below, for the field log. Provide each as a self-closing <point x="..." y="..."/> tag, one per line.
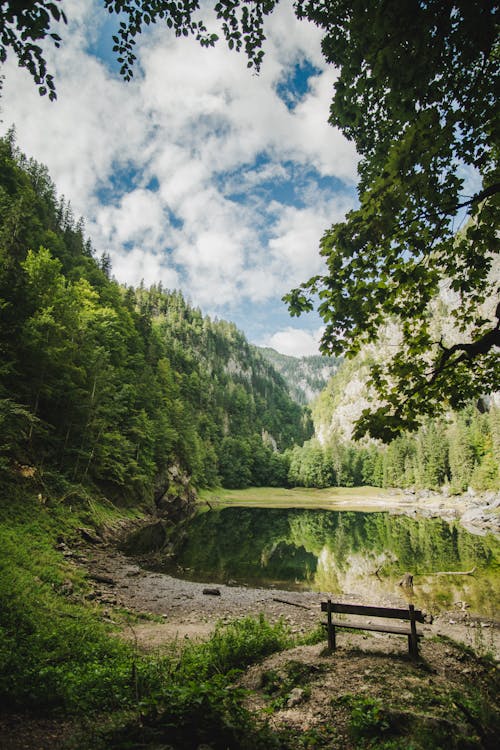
<point x="365" y="554"/>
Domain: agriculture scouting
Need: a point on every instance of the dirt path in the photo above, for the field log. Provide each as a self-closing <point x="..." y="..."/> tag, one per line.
<point x="187" y="612"/>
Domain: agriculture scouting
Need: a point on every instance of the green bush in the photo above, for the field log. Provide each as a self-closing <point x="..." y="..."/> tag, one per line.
<point x="236" y="645"/>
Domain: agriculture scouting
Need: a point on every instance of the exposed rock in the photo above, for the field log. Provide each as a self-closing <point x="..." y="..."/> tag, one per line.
<point x="296" y="696"/>
<point x="98" y="578"/>
<point x="90" y="536"/>
<point x="175" y="499"/>
<point x="211" y="592"/>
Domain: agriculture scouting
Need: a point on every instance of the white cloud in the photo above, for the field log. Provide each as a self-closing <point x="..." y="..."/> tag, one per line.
<point x="193" y="128"/>
<point x="295" y="342"/>
<point x="137" y="265"/>
<point x="294" y="245"/>
<point x="138" y="218"/>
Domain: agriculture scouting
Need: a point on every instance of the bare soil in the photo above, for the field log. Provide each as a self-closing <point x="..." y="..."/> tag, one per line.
<point x="311" y="699"/>
<point x="312" y="694"/>
<point x="187" y="612"/>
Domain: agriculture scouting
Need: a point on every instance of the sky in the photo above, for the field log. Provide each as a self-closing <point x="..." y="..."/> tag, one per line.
<point x="197" y="173"/>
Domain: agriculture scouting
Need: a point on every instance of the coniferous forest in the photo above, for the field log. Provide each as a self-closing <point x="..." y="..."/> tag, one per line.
<point x="111" y="386"/>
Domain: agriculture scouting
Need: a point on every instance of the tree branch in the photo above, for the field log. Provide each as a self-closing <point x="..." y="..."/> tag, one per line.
<point x="481" y="196"/>
<point x="469" y="351"/>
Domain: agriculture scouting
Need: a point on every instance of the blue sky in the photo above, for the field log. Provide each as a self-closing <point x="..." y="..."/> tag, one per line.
<point x="198" y="173"/>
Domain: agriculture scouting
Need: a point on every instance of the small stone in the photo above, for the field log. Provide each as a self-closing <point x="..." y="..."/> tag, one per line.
<point x="296" y="696"/>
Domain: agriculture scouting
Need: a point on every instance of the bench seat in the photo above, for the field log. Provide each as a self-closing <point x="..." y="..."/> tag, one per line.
<point x="401" y="630"/>
<point x="411" y="615"/>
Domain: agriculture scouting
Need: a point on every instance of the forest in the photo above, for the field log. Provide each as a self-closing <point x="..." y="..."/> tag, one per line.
<point x="453" y="453"/>
<point x="110" y="386"/>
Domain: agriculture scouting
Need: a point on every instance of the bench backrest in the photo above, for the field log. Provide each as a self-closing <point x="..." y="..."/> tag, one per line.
<point x="359" y="609"/>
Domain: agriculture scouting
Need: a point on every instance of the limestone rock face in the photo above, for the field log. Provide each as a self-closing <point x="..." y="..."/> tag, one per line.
<point x="174" y="496"/>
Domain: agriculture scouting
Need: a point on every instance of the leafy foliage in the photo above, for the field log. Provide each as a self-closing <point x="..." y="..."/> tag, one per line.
<point x="113" y="386"/>
<point x="416" y="93"/>
<point x="22" y="26"/>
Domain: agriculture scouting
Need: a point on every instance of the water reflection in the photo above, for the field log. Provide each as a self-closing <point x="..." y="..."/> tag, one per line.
<point x="343" y="553"/>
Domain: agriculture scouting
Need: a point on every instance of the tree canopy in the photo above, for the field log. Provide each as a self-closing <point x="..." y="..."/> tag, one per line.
<point x="416" y="94"/>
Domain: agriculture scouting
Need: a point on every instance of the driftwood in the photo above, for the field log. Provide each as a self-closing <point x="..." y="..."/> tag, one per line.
<point x="211" y="592"/>
<point x="292" y="604"/>
<point x="456" y="572"/>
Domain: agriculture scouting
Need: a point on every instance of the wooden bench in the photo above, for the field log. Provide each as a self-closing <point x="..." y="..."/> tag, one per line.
<point x="411" y="614"/>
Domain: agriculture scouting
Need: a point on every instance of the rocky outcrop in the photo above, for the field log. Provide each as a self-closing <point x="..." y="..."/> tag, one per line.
<point x="175" y="498"/>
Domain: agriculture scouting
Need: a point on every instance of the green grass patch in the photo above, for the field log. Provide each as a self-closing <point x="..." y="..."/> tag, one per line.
<point x="55" y="652"/>
<point x="195" y="700"/>
<point x="58" y="656"/>
<point x="331" y="498"/>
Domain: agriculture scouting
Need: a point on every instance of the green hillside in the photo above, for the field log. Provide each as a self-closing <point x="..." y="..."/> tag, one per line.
<point x="110" y="386"/>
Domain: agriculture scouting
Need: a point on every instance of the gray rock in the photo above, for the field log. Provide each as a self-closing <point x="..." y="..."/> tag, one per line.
<point x="296" y="696"/>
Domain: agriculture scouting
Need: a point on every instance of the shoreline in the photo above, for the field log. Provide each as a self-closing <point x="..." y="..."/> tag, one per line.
<point x="176" y="609"/>
<point x="479" y="513"/>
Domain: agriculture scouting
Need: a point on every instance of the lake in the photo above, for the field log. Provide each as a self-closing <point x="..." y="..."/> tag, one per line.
<point x="343" y="552"/>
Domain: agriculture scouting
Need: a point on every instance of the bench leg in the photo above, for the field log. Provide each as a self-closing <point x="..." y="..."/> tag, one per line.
<point x="331" y="637"/>
<point x="413" y="646"/>
<point x="330" y="628"/>
<point x="413" y="639"/>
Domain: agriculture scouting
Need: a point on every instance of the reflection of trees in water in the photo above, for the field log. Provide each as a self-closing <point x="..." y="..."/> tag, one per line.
<point x="337" y="550"/>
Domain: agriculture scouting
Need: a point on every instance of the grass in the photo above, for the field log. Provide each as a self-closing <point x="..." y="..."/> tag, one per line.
<point x="331" y="498"/>
<point x="195" y="700"/>
<point x="59" y="658"/>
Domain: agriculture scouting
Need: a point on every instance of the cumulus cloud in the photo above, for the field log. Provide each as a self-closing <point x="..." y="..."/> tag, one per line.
<point x="176" y="173"/>
<point x="140" y="265"/>
<point x="295" y="342"/>
<point x="296" y="232"/>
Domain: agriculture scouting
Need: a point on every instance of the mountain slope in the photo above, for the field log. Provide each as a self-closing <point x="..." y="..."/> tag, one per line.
<point x="113" y="386"/>
<point x="306" y="376"/>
